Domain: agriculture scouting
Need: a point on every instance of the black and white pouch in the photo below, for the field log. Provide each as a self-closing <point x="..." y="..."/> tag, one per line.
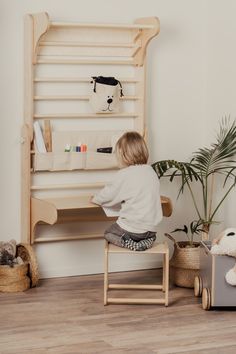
<point x="106" y="94"/>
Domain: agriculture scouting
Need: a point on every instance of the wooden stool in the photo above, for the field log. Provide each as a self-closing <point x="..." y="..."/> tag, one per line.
<point x="161" y="248"/>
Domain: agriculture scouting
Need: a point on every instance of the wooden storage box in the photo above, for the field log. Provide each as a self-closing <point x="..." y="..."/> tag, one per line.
<point x="211" y="283"/>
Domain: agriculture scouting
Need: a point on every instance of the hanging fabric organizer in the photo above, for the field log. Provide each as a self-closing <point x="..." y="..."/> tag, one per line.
<point x="60" y="61"/>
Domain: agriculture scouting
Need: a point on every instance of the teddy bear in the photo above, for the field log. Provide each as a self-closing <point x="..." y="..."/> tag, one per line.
<point x="8" y="254"/>
<point x="225" y="244"/>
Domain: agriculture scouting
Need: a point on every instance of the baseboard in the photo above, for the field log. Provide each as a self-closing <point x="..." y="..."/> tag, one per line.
<point x="62" y="271"/>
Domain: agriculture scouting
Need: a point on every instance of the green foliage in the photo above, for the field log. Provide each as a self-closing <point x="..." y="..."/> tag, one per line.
<point x="205" y="164"/>
<point x="195" y="228"/>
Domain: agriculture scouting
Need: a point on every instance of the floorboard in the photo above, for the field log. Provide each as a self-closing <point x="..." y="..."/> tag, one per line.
<point x="67" y="316"/>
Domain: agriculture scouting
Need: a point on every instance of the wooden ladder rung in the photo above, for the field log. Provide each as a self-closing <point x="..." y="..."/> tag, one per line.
<point x="101" y="25"/>
<point x="68" y="186"/>
<point x="78" y="98"/>
<point x="68" y="237"/>
<point x="88" y="44"/>
<point x="78" y="79"/>
<point x="84" y="115"/>
<point x="64" y="98"/>
<point x="111" y="300"/>
<point x="85" y="61"/>
<point x="135" y="286"/>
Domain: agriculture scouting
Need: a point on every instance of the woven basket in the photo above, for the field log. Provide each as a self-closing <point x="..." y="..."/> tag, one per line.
<point x="20" y="285"/>
<point x="26" y="252"/>
<point x="16" y="272"/>
<point x="22" y="276"/>
<point x="184" y="277"/>
<point x="14" y="279"/>
<point x="185" y="263"/>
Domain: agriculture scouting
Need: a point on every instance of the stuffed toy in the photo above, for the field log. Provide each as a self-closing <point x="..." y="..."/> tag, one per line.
<point x="8" y="254"/>
<point x="225" y="244"/>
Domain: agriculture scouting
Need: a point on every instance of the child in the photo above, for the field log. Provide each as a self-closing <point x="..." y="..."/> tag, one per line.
<point x="135" y="191"/>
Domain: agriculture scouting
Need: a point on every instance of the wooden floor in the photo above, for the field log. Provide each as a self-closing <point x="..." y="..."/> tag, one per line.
<point x="67" y="316"/>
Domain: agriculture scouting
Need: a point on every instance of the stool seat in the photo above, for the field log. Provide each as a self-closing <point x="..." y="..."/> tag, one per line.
<point x="158" y="248"/>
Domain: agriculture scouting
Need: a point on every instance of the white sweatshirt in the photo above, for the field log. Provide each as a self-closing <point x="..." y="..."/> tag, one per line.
<point x="135" y="190"/>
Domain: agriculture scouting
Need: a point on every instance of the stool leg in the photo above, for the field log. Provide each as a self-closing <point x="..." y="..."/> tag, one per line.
<point x="105" y="273"/>
<point x="164" y="273"/>
<point x="167" y="278"/>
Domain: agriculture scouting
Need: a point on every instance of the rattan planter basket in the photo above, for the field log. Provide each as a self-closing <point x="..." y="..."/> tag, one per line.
<point x="22" y="276"/>
<point x="185" y="263"/>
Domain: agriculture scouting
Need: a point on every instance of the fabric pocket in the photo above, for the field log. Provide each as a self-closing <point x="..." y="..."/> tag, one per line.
<point x="60" y="161"/>
<point x="100" y="161"/>
<point x="43" y="161"/>
<point x="77" y="160"/>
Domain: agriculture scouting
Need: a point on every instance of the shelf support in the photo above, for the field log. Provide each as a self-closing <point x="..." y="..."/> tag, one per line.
<point x="41" y="25"/>
<point x="42" y="211"/>
<point x="145" y="36"/>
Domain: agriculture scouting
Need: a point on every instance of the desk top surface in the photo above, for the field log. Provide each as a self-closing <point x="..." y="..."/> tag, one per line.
<point x="84" y="202"/>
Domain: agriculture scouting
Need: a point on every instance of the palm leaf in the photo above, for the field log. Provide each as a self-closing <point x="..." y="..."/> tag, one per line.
<point x="229" y="175"/>
<point x="187" y="171"/>
<point x="185" y="230"/>
<point x="174" y="169"/>
<point x="219" y="155"/>
<point x="218" y="158"/>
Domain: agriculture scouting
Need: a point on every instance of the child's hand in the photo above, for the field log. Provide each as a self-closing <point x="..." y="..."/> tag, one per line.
<point x="215" y="241"/>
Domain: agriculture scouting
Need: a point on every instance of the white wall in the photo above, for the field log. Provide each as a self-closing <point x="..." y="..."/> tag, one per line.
<point x="220" y="82"/>
<point x="182" y="89"/>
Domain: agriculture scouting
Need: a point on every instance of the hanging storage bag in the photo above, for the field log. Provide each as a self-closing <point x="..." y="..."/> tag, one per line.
<point x="106" y="94"/>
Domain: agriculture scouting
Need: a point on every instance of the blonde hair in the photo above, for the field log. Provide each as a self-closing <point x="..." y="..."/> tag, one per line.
<point x="131" y="149"/>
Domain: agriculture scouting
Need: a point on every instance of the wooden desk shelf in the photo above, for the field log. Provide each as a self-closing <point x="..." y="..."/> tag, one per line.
<point x="50" y="211"/>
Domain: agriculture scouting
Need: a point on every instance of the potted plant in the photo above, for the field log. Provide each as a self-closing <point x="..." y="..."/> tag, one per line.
<point x="203" y="168"/>
<point x="185" y="262"/>
<point x="205" y="164"/>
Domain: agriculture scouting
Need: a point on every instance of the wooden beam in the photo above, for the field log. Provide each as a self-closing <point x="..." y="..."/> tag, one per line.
<point x="25" y="184"/>
<point x="88" y="44"/>
<point x="102" y="25"/>
<point x="68" y="238"/>
<point x="40" y="27"/>
<point x="85" y="61"/>
<point x="135" y="286"/>
<point x="146" y="36"/>
<point x="78" y="79"/>
<point x="124" y="300"/>
<point x="84" y="115"/>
